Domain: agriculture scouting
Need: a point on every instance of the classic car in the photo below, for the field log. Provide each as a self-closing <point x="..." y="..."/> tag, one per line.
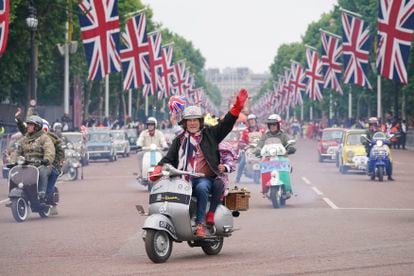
<point x="329" y="142"/>
<point x="121" y="142"/>
<point x="100" y="145"/>
<point x="351" y="149"/>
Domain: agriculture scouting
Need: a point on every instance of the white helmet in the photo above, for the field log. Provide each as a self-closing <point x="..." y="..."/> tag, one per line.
<point x="274" y="118"/>
<point x="251" y="116"/>
<point x="56" y="126"/>
<point x="45" y="125"/>
<point x="192" y="112"/>
<point x="152" y="120"/>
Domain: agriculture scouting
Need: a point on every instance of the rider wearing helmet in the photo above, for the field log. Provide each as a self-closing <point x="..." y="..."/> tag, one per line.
<point x="147" y="137"/>
<point x="252" y="126"/>
<point x="59" y="153"/>
<point x="197" y="150"/>
<point x="373" y="127"/>
<point x="37" y="146"/>
<point x="274" y="131"/>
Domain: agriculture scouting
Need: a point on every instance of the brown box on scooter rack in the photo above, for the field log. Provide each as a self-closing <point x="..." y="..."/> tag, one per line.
<point x="237" y="200"/>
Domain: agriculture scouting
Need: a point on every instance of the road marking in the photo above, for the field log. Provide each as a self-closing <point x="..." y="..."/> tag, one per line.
<point x="306" y="180"/>
<point x="330" y="203"/>
<point x="377" y="209"/>
<point x="317" y="191"/>
<point x="4" y="201"/>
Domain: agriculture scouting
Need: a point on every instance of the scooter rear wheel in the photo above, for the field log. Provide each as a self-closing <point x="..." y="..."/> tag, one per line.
<point x="19" y="209"/>
<point x="45" y="213"/>
<point x="213" y="248"/>
<point x="158" y="245"/>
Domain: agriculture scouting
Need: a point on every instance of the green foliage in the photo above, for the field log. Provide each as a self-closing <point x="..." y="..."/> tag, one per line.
<point x="364" y="100"/>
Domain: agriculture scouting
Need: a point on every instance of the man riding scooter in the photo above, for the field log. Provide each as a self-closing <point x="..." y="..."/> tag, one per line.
<point x="252" y="126"/>
<point x="147" y="137"/>
<point x="37" y="146"/>
<point x="373" y="127"/>
<point x="196" y="150"/>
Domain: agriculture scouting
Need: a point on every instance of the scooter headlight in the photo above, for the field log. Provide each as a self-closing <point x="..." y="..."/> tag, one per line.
<point x="153" y="147"/>
<point x="20" y="185"/>
<point x="273" y="152"/>
<point x="379" y="143"/>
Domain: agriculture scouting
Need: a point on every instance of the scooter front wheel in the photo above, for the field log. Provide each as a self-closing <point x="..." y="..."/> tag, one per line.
<point x="19" y="209"/>
<point x="381" y="173"/>
<point x="158" y="245"/>
<point x="276" y="197"/>
<point x="213" y="248"/>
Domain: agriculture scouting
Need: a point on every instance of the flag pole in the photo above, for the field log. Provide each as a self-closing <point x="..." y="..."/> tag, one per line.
<point x="350" y="102"/>
<point x="329" y="33"/>
<point x="107" y="96"/>
<point x="350" y="12"/>
<point x="130" y="103"/>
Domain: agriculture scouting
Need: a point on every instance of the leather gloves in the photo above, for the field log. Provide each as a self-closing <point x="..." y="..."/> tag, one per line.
<point x="240" y="101"/>
<point x="156" y="174"/>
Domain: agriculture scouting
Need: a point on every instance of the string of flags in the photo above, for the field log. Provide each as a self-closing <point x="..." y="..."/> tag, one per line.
<point x="348" y="60"/>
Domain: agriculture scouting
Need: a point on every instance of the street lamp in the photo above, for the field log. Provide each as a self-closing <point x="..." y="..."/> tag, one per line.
<point x="31" y="22"/>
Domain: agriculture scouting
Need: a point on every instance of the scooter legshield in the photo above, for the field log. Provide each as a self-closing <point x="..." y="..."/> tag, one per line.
<point x="161" y="223"/>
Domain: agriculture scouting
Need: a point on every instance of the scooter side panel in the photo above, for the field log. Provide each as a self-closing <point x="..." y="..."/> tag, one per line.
<point x="223" y="219"/>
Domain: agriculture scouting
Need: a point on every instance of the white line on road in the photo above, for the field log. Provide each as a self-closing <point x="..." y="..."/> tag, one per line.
<point x="4" y="200"/>
<point x="317" y="191"/>
<point x="377" y="209"/>
<point x="330" y="203"/>
<point x="306" y="180"/>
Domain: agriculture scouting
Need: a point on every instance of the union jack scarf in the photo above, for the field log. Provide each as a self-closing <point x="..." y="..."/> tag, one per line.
<point x="188" y="150"/>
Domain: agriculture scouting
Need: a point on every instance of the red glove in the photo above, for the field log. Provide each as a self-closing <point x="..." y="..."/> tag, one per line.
<point x="156" y="174"/>
<point x="240" y="101"/>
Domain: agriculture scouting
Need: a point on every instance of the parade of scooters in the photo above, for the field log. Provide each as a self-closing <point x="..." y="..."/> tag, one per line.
<point x="229" y="137"/>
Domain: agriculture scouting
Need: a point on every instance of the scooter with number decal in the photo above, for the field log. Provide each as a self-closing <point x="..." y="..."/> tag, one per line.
<point x="172" y="212"/>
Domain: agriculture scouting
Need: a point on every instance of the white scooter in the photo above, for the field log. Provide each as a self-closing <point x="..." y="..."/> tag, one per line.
<point x="172" y="212"/>
<point x="150" y="159"/>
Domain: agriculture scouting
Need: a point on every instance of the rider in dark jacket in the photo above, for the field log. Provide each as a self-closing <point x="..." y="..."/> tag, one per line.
<point x="196" y="149"/>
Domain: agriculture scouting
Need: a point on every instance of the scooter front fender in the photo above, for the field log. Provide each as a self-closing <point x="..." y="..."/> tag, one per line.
<point x="162" y="223"/>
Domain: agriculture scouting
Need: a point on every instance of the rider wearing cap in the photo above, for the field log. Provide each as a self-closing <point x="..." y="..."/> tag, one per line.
<point x="36" y="146"/>
<point x="252" y="126"/>
<point x="197" y="150"/>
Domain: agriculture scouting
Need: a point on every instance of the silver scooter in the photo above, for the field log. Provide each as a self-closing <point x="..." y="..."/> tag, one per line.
<point x="172" y="212"/>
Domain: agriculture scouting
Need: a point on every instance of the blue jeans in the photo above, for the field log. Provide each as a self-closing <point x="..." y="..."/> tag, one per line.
<point x="202" y="187"/>
<point x="51" y="182"/>
<point x="240" y="168"/>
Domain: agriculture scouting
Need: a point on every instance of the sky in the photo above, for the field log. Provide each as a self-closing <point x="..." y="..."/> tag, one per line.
<point x="239" y="33"/>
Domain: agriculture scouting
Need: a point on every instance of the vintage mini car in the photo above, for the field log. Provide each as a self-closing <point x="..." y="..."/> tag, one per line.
<point x="329" y="143"/>
<point x="351" y="150"/>
<point x="121" y="142"/>
<point x="78" y="140"/>
<point x="100" y="145"/>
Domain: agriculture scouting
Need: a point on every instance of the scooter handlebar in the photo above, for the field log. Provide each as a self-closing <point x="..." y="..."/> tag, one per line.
<point x="170" y="170"/>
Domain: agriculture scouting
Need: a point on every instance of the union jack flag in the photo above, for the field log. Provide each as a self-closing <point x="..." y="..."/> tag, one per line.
<point x="99" y="23"/>
<point x="134" y="53"/>
<point x="180" y="77"/>
<point x="355" y="46"/>
<point x="395" y="32"/>
<point x="167" y="69"/>
<point x="155" y="63"/>
<point x="314" y="75"/>
<point x="176" y="104"/>
<point x="331" y="65"/>
<point x="298" y="84"/>
<point x="4" y="24"/>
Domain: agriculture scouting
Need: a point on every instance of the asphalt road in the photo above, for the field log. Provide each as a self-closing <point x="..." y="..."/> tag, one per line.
<point x="334" y="225"/>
